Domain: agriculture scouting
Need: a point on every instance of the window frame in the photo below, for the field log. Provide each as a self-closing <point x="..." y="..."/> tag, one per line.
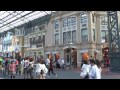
<point x="73" y="23"/>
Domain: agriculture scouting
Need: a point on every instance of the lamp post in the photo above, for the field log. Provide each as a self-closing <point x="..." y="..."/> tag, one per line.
<point x="70" y="55"/>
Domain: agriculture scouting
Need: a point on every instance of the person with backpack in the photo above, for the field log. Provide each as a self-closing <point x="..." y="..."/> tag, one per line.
<point x="12" y="69"/>
<point x="44" y="70"/>
<point x="41" y="70"/>
<point x="85" y="70"/>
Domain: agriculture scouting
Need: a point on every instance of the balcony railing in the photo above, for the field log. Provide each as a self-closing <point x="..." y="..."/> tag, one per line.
<point x="37" y="42"/>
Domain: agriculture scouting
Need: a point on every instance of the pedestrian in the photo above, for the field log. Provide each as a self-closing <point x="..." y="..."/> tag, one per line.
<point x="22" y="66"/>
<point x="51" y="68"/>
<point x="47" y="63"/>
<point x="17" y="66"/>
<point x="41" y="70"/>
<point x="85" y="70"/>
<point x="12" y="69"/>
<point x="94" y="71"/>
<point x="99" y="70"/>
<point x="82" y="62"/>
<point x="30" y="68"/>
<point x="44" y="70"/>
<point x="26" y="64"/>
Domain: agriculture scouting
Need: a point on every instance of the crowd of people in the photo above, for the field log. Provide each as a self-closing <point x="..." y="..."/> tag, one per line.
<point x="35" y="69"/>
<point x="41" y="68"/>
<point x="91" y="69"/>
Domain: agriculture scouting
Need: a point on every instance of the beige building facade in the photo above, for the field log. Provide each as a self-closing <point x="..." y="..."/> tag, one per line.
<point x="34" y="42"/>
<point x="72" y="33"/>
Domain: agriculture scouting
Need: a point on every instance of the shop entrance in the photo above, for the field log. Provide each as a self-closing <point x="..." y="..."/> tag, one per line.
<point x="70" y="56"/>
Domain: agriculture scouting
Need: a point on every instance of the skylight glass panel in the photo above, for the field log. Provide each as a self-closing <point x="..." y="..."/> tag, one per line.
<point x="8" y="17"/>
<point x="10" y="11"/>
<point x="11" y="19"/>
<point x="36" y="16"/>
<point x="2" y="12"/>
<point x="16" y="21"/>
<point x="4" y="15"/>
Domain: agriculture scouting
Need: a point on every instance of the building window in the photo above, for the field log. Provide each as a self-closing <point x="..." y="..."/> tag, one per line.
<point x="56" y="32"/>
<point x="103" y="20"/>
<point x="93" y="18"/>
<point x="69" y="21"/>
<point x="69" y="37"/>
<point x="104" y="36"/>
<point x="56" y="24"/>
<point x="83" y="17"/>
<point x="73" y="20"/>
<point x="69" y="33"/>
<point x="64" y="37"/>
<point x="33" y="40"/>
<point x="56" y="39"/>
<point x="43" y="40"/>
<point x="74" y="36"/>
<point x="84" y="35"/>
<point x="93" y="32"/>
<point x="64" y="22"/>
<point x="30" y="41"/>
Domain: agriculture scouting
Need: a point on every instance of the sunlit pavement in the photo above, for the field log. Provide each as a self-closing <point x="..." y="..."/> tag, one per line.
<point x="72" y="74"/>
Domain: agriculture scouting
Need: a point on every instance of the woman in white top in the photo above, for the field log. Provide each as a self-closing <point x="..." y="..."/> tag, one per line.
<point x="85" y="69"/>
<point x="99" y="70"/>
<point x="41" y="70"/>
<point x="47" y="63"/>
<point x="95" y="71"/>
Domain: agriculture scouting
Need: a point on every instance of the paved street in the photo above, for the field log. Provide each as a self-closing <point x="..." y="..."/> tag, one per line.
<point x="71" y="75"/>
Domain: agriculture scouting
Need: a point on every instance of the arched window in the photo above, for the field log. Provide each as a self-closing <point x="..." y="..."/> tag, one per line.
<point x="56" y="32"/>
<point x="69" y="29"/>
<point x="83" y="17"/>
<point x="83" y="26"/>
<point x="104" y="29"/>
<point x="56" y="24"/>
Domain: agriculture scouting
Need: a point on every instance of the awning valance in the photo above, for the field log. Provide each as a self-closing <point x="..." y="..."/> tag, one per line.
<point x="83" y="50"/>
<point x="48" y="53"/>
<point x="55" y="52"/>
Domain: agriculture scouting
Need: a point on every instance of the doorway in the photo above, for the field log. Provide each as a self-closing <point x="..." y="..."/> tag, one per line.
<point x="70" y="56"/>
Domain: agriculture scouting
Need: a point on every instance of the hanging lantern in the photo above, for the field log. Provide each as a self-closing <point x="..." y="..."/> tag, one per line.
<point x="85" y="56"/>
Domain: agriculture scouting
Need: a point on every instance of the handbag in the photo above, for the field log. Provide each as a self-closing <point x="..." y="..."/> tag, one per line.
<point x="87" y="76"/>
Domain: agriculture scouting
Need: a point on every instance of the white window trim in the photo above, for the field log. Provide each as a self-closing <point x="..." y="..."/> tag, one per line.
<point x="55" y="30"/>
<point x="102" y="29"/>
<point x="67" y="27"/>
<point x="84" y="27"/>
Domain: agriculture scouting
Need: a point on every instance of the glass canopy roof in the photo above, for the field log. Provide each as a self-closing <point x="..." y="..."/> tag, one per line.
<point x="12" y="19"/>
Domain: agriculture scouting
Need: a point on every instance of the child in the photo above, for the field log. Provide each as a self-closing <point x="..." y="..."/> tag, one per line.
<point x="12" y="69"/>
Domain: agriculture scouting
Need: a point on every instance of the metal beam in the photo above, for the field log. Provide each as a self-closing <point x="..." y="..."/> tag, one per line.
<point x="113" y="27"/>
<point x="17" y="19"/>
